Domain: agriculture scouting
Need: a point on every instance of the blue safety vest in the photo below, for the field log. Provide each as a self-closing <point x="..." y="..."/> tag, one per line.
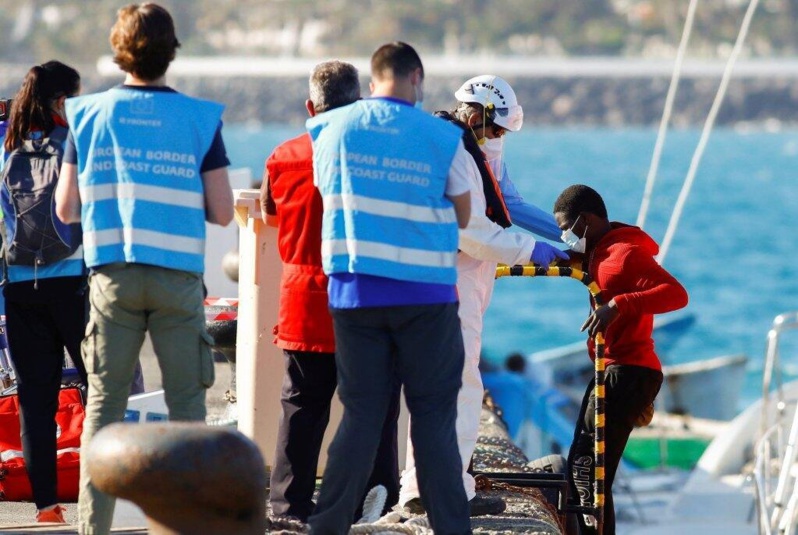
<point x="139" y="158"/>
<point x="381" y="167"/>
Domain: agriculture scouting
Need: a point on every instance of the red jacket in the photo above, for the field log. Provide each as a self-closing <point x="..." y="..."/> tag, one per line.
<point x="303" y="321"/>
<point x="623" y="266"/>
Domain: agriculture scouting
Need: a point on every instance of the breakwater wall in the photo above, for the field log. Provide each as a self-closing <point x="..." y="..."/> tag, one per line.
<point x="549" y="98"/>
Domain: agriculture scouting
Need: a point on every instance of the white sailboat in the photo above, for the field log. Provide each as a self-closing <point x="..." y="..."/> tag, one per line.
<point x="746" y="482"/>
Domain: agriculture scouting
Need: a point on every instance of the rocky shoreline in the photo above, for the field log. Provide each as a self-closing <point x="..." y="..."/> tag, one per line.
<point x="610" y="100"/>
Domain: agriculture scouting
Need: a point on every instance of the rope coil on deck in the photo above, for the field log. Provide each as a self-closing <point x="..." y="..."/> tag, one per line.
<point x="535" y="270"/>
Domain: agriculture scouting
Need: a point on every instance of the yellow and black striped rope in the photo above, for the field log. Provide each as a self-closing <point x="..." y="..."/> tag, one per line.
<point x="583" y="277"/>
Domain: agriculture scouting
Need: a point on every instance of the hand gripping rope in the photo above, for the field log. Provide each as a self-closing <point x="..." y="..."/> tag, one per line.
<point x="583" y="277"/>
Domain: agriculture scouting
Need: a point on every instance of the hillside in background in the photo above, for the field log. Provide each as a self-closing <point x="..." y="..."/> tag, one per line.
<point x="507" y="37"/>
<point x="77" y="31"/>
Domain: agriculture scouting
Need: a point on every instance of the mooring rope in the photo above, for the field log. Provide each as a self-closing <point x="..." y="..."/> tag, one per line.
<point x="600" y="410"/>
<point x="708" y="125"/>
<point x="666" y="114"/>
<point x="392" y="523"/>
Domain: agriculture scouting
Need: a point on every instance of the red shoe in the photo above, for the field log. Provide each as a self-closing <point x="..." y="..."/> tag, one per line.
<point x="52" y="516"/>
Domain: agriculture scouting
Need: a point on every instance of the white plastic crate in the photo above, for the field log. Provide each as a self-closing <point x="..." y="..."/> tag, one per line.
<point x="147" y="407"/>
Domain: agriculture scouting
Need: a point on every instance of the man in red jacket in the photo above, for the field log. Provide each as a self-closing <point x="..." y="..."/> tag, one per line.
<point x="304" y="329"/>
<point x="620" y="259"/>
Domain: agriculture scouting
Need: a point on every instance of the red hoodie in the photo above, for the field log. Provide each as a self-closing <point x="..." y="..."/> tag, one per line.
<point x="623" y="266"/>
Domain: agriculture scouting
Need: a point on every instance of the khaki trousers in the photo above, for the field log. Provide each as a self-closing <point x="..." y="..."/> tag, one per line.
<point x="128" y="300"/>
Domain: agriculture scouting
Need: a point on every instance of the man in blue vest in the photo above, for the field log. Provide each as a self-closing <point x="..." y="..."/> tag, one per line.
<point x="291" y="202"/>
<point x="143" y="171"/>
<point x="389" y="177"/>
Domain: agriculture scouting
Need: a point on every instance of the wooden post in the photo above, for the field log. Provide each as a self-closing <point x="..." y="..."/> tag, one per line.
<point x="260" y="368"/>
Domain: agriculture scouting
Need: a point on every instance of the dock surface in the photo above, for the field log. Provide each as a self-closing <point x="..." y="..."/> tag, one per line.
<point x="523" y="515"/>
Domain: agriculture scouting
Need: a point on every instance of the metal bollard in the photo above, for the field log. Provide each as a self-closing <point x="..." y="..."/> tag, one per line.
<point x="187" y="478"/>
<point x="221" y="322"/>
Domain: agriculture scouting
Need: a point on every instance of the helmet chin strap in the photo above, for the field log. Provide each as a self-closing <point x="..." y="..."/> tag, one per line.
<point x="480" y="140"/>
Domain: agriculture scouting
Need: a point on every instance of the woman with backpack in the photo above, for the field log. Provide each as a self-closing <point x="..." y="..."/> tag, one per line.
<point x="45" y="301"/>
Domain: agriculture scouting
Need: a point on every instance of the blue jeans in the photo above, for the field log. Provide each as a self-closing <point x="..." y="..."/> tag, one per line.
<point x="423" y="347"/>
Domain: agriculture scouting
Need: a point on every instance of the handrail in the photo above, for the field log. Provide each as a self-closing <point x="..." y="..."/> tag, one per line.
<point x="535" y="270"/>
<point x="761" y="481"/>
<point x="790" y="516"/>
<point x="782" y="322"/>
<point x="777" y="509"/>
<point x="782" y="487"/>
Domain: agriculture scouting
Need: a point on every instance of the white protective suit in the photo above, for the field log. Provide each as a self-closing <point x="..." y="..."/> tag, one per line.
<point x="483" y="244"/>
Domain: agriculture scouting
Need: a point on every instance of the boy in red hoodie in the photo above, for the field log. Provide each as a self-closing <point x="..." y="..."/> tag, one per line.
<point x="620" y="259"/>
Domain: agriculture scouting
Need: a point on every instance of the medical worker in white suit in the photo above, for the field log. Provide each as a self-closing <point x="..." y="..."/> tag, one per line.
<point x="487" y="109"/>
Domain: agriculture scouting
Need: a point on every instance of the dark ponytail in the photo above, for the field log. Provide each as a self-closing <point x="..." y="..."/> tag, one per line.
<point x="32" y="106"/>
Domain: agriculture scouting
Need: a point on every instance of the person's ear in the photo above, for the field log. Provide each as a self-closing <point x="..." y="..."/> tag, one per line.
<point x="310" y="107"/>
<point x="591" y="220"/>
<point x="416" y="77"/>
<point x="473" y="119"/>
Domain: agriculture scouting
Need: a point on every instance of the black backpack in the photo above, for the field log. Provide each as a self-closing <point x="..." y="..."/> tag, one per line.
<point x="32" y="233"/>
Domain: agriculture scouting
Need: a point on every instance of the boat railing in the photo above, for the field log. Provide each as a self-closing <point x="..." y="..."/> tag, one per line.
<point x="775" y="484"/>
<point x="781" y="323"/>
<point x="775" y="481"/>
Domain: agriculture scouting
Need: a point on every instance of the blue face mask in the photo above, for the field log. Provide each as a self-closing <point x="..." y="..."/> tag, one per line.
<point x="575" y="243"/>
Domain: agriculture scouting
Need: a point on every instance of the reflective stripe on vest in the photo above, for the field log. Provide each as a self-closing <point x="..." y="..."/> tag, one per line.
<point x="382" y="168"/>
<point x="139" y="158"/>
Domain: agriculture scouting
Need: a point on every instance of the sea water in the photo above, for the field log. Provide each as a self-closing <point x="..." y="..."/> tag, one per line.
<point x="734" y="248"/>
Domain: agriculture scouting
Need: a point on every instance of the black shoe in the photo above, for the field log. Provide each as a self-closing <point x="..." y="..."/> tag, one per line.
<point x="415" y="507"/>
<point x="478" y="506"/>
<point x="486" y="505"/>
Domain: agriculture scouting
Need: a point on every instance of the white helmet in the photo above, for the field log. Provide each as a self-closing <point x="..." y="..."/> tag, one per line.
<point x="497" y="97"/>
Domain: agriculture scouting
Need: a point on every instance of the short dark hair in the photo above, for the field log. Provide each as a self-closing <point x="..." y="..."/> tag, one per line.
<point x="333" y="84"/>
<point x="144" y="40"/>
<point x="577" y="199"/>
<point x="515" y="362"/>
<point x="396" y="59"/>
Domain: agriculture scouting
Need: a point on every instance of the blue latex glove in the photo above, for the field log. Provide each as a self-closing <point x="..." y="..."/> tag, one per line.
<point x="544" y="254"/>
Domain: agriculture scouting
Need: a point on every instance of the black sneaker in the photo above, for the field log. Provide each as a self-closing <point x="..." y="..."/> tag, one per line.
<point x="481" y="505"/>
<point x="478" y="506"/>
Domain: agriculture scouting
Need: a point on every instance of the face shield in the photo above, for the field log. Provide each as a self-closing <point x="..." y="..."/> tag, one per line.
<point x="510" y="118"/>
